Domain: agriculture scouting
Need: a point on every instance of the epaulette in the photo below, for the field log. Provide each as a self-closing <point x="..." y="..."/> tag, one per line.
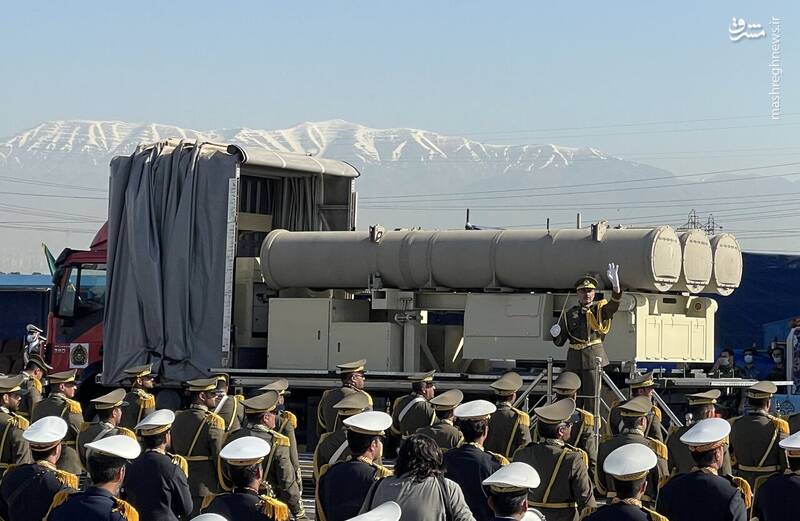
<point x="146" y="400"/>
<point x="181" y="462"/>
<point x="274" y="508"/>
<point x="59" y="499"/>
<point x="19" y="421"/>
<point x="498" y="457"/>
<point x="207" y="499"/>
<point x="586" y="417"/>
<point x="524" y="418"/>
<point x="654" y="516"/>
<point x="67" y="478"/>
<point x="280" y="440"/>
<point x="657" y="412"/>
<point x="126" y="509"/>
<point x="74" y="406"/>
<point x="382" y="472"/>
<point x="239" y="397"/>
<point x="658" y="447"/>
<point x="215" y="420"/>
<point x="780" y="424"/>
<point x="126" y="432"/>
<point x="84" y="426"/>
<point x="11" y="466"/>
<point x="37" y="384"/>
<point x="587" y="511"/>
<point x="584" y="455"/>
<point x="369" y="398"/>
<point x="671" y="430"/>
<point x="744" y="488"/>
<point x="291" y="417"/>
<point x="325" y="468"/>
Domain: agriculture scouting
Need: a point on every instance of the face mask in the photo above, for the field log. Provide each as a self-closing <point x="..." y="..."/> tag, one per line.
<point x="724" y="362"/>
<point x="777" y="359"/>
<point x="748" y="359"/>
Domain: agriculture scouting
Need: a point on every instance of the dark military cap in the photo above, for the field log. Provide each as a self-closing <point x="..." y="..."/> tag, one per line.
<point x="352" y="367"/>
<point x="764" y="389"/>
<point x="262" y="403"/>
<point x="567" y="381"/>
<point x="202" y="384"/>
<point x="353" y="403"/>
<point x="507" y="384"/>
<point x="422" y="377"/>
<point x="39" y="361"/>
<point x="641" y="380"/>
<point x="586" y="282"/>
<point x="12" y="384"/>
<point x="639" y="406"/>
<point x="447" y="400"/>
<point x="115" y="398"/>
<point x="557" y="412"/>
<point x="279" y="385"/>
<point x="64" y="377"/>
<point x="706" y="398"/>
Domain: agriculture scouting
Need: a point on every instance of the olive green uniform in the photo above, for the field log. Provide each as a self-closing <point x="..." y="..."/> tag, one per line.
<point x="232" y="412"/>
<point x="410" y="412"/>
<point x="32" y="397"/>
<point x="509" y="430"/>
<point x="326" y="414"/>
<point x="582" y="436"/>
<point x="680" y="461"/>
<point x="657" y="474"/>
<point x="14" y="450"/>
<point x="140" y="404"/>
<point x="332" y="448"/>
<point x="94" y="431"/>
<point x="279" y="473"/>
<point x="444" y="433"/>
<point x="565" y="488"/>
<point x="286" y="425"/>
<point x="653" y="429"/>
<point x="754" y="442"/>
<point x="197" y="435"/>
<point x="56" y="404"/>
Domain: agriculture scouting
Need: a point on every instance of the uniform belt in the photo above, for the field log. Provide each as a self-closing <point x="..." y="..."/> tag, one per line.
<point x="553" y="505"/>
<point x="749" y="468"/>
<point x="197" y="458"/>
<point x="584" y="345"/>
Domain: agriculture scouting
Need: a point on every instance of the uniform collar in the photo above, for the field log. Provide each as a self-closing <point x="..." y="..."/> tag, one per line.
<point x="5" y="410"/>
<point x="97" y="491"/>
<point x="632" y="431"/>
<point x="554" y="441"/>
<point x="260" y="428"/>
<point x="159" y="450"/>
<point x="474" y="444"/>
<point x="706" y="470"/>
<point x="363" y="459"/>
<point x="245" y="490"/>
<point x="199" y="407"/>
<point x="448" y="421"/>
<point x="629" y="501"/>
<point x="46" y="464"/>
<point x="59" y="395"/>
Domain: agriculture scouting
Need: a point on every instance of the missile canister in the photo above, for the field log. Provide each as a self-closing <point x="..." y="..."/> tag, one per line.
<point x="650" y="258"/>
<point x="698" y="261"/>
<point x="727" y="273"/>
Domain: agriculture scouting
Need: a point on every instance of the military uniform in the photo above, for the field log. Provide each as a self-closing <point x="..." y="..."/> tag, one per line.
<point x="286" y="424"/>
<point x="701" y="494"/>
<point x="243" y="505"/>
<point x="156" y="485"/>
<point x="468" y="465"/>
<point x="140" y="402"/>
<point x="33" y="386"/>
<point x="794" y="422"/>
<point x="326" y="414"/>
<point x="754" y="443"/>
<point x="624" y="511"/>
<point x="56" y="404"/>
<point x="444" y="433"/>
<point x="509" y="428"/>
<point x="654" y="417"/>
<point x="94" y="504"/>
<point x="777" y="498"/>
<point x="14" y="450"/>
<point x="230" y="405"/>
<point x="343" y="486"/>
<point x="680" y="460"/>
<point x="332" y="446"/>
<point x="27" y="490"/>
<point x="412" y="411"/>
<point x="582" y="434"/>
<point x="585" y="327"/>
<point x="94" y="431"/>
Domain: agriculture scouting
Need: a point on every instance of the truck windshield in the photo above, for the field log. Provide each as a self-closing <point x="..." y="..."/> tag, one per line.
<point x="82" y="291"/>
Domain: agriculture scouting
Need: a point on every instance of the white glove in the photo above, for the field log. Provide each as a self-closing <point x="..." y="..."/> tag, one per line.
<point x="555" y="330"/>
<point x="613" y="276"/>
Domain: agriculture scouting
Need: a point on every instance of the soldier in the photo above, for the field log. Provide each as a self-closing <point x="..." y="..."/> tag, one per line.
<point x="332" y="446"/>
<point x="641" y="385"/>
<point x="778" y="498"/>
<point x="701" y="406"/>
<point x="508" y="490"/>
<point x="794" y="422"/>
<point x="585" y="326"/>
<point x="35" y="370"/>
<point x="755" y="437"/>
<point x="352" y="375"/>
<point x="60" y="403"/>
<point x="343" y="486"/>
<point x="229" y="406"/>
<point x="244" y="460"/>
<point x="156" y="482"/>
<point x="279" y="476"/>
<point x="628" y="467"/>
<point x="634" y="414"/>
<point x="197" y="435"/>
<point x="100" y="502"/>
<point x="140" y="401"/>
<point x="702" y="493"/>
<point x="582" y="434"/>
<point x="412" y="411"/>
<point x="109" y="413"/>
<point x="509" y="428"/>
<point x="286" y="424"/>
<point x="444" y="433"/>
<point x="27" y="490"/>
<point x="15" y="450"/>
<point x="469" y="464"/>
<point x="563" y="467"/>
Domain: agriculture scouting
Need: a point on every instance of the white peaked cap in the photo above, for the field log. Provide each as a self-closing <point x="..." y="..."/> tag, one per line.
<point x="245" y="451"/>
<point x="630" y="462"/>
<point x="156" y="422"/>
<point x="369" y="422"/>
<point x="120" y="446"/>
<point x="706" y="434"/>
<point x="513" y="477"/>
<point x="792" y="443"/>
<point x="474" y="410"/>
<point x="46" y="431"/>
<point x="389" y="511"/>
<point x="209" y="517"/>
<point x="533" y="515"/>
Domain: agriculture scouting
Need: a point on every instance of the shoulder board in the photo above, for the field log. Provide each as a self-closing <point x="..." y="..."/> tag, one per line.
<point x="126" y="432"/>
<point x="280" y="440"/>
<point x="396" y="402"/>
<point x="274" y="508"/>
<point x="658" y="447"/>
<point x="780" y="424"/>
<point x="207" y="499"/>
<point x="325" y="468"/>
<point x="657" y="412"/>
<point x="382" y="472"/>
<point x="524" y="418"/>
<point x="664" y="479"/>
<point x="239" y="397"/>
<point x="74" y="406"/>
<point x="84" y="426"/>
<point x="369" y="398"/>
<point x="181" y="462"/>
<point x="584" y="455"/>
<point x="67" y="478"/>
<point x="126" y="509"/>
<point x="291" y="417"/>
<point x="587" y="418"/>
<point x="654" y="516"/>
<point x="146" y="400"/>
<point x="36" y="384"/>
<point x="59" y="499"/>
<point x="11" y="466"/>
<point x="498" y="457"/>
<point x="20" y="422"/>
<point x="587" y="511"/>
<point x="744" y="488"/>
<point x="215" y="420"/>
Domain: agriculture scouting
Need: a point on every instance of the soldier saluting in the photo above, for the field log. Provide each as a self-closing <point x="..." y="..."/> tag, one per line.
<point x="585" y="326"/>
<point x="509" y="428"/>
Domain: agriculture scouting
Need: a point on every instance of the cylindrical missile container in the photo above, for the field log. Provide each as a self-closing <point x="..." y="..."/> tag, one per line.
<point x="727" y="273"/>
<point x="698" y="261"/>
<point x="650" y="259"/>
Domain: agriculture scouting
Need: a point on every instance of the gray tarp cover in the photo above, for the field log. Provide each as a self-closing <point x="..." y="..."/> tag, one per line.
<point x="166" y="260"/>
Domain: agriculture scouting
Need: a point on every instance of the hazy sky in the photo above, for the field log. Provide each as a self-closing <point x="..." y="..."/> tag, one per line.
<point x="502" y="72"/>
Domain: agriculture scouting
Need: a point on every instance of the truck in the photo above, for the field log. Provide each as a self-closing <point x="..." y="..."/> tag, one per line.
<point x="224" y="258"/>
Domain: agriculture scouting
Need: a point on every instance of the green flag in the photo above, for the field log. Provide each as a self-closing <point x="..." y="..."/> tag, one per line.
<point x="51" y="261"/>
